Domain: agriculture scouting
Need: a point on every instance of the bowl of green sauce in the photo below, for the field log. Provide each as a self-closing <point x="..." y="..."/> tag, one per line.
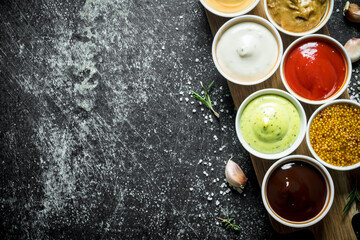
<point x="270" y="124"/>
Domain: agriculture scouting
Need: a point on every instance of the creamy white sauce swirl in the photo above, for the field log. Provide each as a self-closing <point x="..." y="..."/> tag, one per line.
<point x="247" y="51"/>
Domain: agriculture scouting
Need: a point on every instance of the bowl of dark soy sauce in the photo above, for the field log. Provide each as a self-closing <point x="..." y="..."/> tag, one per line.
<point x="297" y="191"/>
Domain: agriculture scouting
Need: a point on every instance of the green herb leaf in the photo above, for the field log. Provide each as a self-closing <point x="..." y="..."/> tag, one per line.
<point x="352" y="197"/>
<point x="206" y="100"/>
<point x="227" y="223"/>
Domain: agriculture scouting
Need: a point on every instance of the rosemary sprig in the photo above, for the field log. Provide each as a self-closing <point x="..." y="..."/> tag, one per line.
<point x="206" y="101"/>
<point x="228" y="224"/>
<point x="353" y="197"/>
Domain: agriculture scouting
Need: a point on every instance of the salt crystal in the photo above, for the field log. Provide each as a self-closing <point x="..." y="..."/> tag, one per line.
<point x="181" y="99"/>
<point x="209" y="198"/>
<point x="186" y="99"/>
<point x="191" y="189"/>
<point x="197" y="60"/>
<point x="217" y="203"/>
<point x="163" y="47"/>
<point x="194" y="110"/>
<point x="205" y="173"/>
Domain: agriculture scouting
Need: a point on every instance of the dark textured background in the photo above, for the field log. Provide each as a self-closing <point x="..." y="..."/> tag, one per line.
<point x="99" y="136"/>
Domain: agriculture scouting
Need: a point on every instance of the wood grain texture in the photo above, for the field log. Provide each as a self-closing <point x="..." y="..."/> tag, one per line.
<point x="333" y="226"/>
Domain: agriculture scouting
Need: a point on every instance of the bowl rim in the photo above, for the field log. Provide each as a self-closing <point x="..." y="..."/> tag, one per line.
<point x="330" y="191"/>
<point x="339" y="47"/>
<point x="321" y="24"/>
<point x="230" y="15"/>
<point x="248" y="18"/>
<point x="289" y="97"/>
<point x="328" y="165"/>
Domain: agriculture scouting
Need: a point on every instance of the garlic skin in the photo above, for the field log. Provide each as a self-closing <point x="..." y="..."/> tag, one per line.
<point x="235" y="176"/>
<point x="352" y="12"/>
<point x="352" y="47"/>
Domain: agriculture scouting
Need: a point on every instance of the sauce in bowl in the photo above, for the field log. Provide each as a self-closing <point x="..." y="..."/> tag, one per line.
<point x="247" y="51"/>
<point x="296" y="191"/>
<point x="270" y="124"/>
<point x="229" y="6"/>
<point x="315" y="70"/>
<point x="297" y="16"/>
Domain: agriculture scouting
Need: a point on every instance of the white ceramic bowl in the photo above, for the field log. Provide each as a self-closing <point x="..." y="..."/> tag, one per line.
<point x="323" y="21"/>
<point x="299" y="138"/>
<point x="329" y="185"/>
<point x="333" y="43"/>
<point x="339" y="101"/>
<point x="220" y="13"/>
<point x="242" y="19"/>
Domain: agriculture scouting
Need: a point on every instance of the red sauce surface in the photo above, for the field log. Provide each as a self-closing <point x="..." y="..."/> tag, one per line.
<point x="315" y="70"/>
<point x="296" y="191"/>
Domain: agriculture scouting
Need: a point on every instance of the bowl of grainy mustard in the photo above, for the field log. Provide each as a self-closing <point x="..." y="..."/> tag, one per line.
<point x="333" y="134"/>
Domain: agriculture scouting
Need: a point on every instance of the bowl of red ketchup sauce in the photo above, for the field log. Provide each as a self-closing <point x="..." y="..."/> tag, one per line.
<point x="316" y="69"/>
<point x="297" y="191"/>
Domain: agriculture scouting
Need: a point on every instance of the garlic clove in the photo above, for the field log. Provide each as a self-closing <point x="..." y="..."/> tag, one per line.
<point x="352" y="12"/>
<point x="352" y="47"/>
<point x="235" y="176"/>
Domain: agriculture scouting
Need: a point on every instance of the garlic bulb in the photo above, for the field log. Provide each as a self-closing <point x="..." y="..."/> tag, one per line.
<point x="352" y="47"/>
<point x="235" y="176"/>
<point x="352" y="12"/>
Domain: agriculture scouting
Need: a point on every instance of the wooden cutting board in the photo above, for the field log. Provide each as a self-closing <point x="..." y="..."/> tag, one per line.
<point x="333" y="226"/>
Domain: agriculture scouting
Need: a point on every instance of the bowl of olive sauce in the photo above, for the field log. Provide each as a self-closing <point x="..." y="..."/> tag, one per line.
<point x="297" y="191"/>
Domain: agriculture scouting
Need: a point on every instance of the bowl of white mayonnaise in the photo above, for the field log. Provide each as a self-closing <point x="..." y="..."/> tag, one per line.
<point x="247" y="50"/>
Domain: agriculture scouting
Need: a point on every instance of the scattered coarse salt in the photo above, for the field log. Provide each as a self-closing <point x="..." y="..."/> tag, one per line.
<point x="197" y="60"/>
<point x="202" y="109"/>
<point x="181" y="99"/>
<point x="205" y="173"/>
<point x="177" y="29"/>
<point x="217" y="203"/>
<point x="212" y="194"/>
<point x="186" y="99"/>
<point x="200" y="161"/>
<point x="191" y="189"/>
<point x="209" y="198"/>
<point x="205" y="121"/>
<point x="214" y="181"/>
<point x="356" y="77"/>
<point x="221" y="192"/>
<point x="192" y="102"/>
<point x="163" y="47"/>
<point x="207" y="193"/>
<point x="212" y="169"/>
<point x="337" y="10"/>
<point x="215" y="138"/>
<point x="181" y="17"/>
<point x="181" y="93"/>
<point x="210" y="164"/>
<point x="194" y="110"/>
